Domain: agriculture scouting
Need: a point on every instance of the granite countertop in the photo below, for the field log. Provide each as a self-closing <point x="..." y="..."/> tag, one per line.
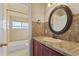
<point x="67" y="48"/>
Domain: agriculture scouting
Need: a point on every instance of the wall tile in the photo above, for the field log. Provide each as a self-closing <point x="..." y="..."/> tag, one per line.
<point x="71" y="35"/>
<point x="37" y="29"/>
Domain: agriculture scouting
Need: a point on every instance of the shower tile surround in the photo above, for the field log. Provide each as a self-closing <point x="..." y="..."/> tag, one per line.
<point x="71" y="35"/>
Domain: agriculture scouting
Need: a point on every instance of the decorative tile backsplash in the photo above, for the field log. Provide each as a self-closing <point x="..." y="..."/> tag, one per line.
<point x="37" y="29"/>
<point x="71" y="35"/>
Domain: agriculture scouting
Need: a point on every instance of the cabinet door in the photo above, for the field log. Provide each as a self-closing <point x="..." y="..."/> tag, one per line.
<point x="42" y="50"/>
<point x="55" y="53"/>
<point x="37" y="48"/>
<point x="50" y="52"/>
<point x="46" y="51"/>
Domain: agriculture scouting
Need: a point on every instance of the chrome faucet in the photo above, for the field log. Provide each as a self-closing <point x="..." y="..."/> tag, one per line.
<point x="56" y="36"/>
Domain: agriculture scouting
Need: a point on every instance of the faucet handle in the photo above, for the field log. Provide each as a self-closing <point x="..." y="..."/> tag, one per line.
<point x="56" y="36"/>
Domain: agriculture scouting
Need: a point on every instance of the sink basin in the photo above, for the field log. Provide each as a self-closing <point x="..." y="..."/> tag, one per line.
<point x="50" y="39"/>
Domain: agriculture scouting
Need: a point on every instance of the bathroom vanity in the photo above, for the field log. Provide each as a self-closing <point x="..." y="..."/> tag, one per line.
<point x="40" y="49"/>
<point x="48" y="46"/>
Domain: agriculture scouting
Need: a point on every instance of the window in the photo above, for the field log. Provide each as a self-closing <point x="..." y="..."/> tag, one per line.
<point x="16" y="25"/>
<point x="25" y="25"/>
<point x="19" y="25"/>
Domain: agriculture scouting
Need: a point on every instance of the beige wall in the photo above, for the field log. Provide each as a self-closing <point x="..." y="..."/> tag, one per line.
<point x="38" y="11"/>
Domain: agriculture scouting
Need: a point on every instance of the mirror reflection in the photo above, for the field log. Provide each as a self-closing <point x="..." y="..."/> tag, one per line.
<point x="59" y="20"/>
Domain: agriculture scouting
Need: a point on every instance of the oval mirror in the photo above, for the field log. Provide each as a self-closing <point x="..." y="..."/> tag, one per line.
<point x="60" y="19"/>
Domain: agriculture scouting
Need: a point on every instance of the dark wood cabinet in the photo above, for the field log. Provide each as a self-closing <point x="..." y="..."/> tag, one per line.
<point x="37" y="48"/>
<point x="46" y="51"/>
<point x="42" y="50"/>
<point x="50" y="52"/>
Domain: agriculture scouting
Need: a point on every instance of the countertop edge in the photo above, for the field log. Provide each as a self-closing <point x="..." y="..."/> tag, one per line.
<point x="64" y="52"/>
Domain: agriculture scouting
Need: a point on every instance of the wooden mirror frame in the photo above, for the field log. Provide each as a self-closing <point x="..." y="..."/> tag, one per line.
<point x="69" y="19"/>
